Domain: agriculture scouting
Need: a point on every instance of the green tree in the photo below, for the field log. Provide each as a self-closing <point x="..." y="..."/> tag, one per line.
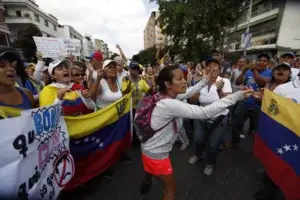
<point x="25" y="41"/>
<point x="189" y="22"/>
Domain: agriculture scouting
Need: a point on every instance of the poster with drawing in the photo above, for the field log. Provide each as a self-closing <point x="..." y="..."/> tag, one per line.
<point x="35" y="160"/>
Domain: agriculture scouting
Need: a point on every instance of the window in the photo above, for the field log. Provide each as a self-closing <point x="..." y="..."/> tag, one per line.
<point x="54" y="27"/>
<point x="46" y="23"/>
<point x="37" y="18"/>
<point x="18" y="13"/>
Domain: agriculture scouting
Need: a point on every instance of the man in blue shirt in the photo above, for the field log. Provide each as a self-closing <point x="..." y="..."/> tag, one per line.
<point x="255" y="76"/>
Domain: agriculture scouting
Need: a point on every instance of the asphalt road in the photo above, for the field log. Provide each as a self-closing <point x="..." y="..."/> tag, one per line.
<point x="234" y="178"/>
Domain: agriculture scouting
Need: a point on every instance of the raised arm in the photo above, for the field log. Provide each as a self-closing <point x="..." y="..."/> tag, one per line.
<point x="177" y="108"/>
<point x="121" y="52"/>
<point x="193" y="90"/>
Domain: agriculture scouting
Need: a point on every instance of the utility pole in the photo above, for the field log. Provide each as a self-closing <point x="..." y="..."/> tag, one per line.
<point x="248" y="23"/>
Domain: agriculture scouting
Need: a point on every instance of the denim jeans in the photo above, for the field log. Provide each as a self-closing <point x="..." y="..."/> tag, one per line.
<point x="241" y="114"/>
<point x="213" y="135"/>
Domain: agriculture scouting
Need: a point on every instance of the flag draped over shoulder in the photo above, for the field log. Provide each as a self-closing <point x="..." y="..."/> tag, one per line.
<point x="99" y="139"/>
<point x="277" y="143"/>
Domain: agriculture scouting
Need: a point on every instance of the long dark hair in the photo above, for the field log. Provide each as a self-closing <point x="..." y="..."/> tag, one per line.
<point x="165" y="75"/>
<point x="20" y="66"/>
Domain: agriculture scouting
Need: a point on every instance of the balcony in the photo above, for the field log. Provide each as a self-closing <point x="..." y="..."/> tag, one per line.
<point x="260" y="18"/>
<point x="18" y="20"/>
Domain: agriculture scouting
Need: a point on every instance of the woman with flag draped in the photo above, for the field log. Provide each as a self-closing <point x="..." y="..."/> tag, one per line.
<point x="75" y="101"/>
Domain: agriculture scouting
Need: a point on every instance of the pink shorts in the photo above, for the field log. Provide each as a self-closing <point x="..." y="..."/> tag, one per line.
<point x="157" y="167"/>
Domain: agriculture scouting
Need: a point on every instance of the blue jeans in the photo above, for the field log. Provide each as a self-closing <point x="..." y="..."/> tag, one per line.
<point x="214" y="135"/>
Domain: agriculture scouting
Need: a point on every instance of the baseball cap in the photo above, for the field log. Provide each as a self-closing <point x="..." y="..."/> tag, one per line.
<point x="134" y="66"/>
<point x="10" y="55"/>
<point x="288" y="54"/>
<point x="118" y="59"/>
<point x="107" y="62"/>
<point x="211" y="60"/>
<point x="56" y="63"/>
<point x="284" y="64"/>
<point x="97" y="55"/>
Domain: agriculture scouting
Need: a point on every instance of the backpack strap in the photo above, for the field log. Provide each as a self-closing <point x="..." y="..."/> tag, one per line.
<point x="158" y="98"/>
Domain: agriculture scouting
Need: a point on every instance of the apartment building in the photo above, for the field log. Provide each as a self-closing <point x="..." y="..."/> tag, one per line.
<point x="100" y="45"/>
<point x="69" y="33"/>
<point x="88" y="46"/>
<point x="274" y="25"/>
<point x="4" y="31"/>
<point x="21" y="12"/>
<point x="153" y="34"/>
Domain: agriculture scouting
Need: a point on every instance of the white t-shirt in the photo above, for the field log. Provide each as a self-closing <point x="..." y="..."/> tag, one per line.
<point x="295" y="73"/>
<point x="122" y="75"/>
<point x="107" y="97"/>
<point x="290" y="90"/>
<point x="236" y="74"/>
<point x="159" y="146"/>
<point x="209" y="96"/>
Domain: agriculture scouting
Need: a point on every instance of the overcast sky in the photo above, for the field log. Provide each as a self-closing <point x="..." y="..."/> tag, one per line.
<point x="114" y="21"/>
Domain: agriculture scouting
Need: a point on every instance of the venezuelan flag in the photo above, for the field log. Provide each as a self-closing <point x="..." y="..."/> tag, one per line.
<point x="99" y="139"/>
<point x="277" y="143"/>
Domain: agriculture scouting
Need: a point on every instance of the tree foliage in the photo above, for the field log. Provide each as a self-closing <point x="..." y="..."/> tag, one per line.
<point x="188" y="22"/>
<point x="25" y="41"/>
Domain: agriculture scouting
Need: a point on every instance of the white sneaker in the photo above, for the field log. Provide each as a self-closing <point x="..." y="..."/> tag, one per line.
<point x="184" y="147"/>
<point x="193" y="160"/>
<point x="242" y="136"/>
<point x="208" y="170"/>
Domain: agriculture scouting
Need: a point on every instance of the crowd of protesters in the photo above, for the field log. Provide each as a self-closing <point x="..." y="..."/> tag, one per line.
<point x="208" y="96"/>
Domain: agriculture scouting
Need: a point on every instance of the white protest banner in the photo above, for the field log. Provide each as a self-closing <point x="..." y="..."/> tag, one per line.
<point x="35" y="160"/>
<point x="73" y="47"/>
<point x="50" y="47"/>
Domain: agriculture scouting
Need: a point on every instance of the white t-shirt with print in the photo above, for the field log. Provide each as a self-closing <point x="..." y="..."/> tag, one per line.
<point x="290" y="90"/>
<point x="209" y="96"/>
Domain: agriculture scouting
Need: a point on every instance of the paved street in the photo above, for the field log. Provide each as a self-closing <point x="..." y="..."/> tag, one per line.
<point x="234" y="179"/>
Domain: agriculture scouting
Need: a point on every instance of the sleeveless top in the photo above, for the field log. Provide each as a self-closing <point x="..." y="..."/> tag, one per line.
<point x="108" y="97"/>
<point x="15" y="110"/>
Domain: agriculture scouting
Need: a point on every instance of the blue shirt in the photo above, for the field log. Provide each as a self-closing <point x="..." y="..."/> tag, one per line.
<point x="249" y="81"/>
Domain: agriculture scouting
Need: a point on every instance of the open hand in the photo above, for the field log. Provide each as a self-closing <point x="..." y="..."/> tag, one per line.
<point x="61" y="93"/>
<point x="220" y="84"/>
<point x="39" y="55"/>
<point x="86" y="94"/>
<point x="248" y="91"/>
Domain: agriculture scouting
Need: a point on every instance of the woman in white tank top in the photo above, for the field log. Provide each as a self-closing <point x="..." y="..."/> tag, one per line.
<point x="107" y="85"/>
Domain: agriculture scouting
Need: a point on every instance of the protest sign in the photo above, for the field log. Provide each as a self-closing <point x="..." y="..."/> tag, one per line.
<point x="35" y="162"/>
<point x="50" y="47"/>
<point x="73" y="47"/>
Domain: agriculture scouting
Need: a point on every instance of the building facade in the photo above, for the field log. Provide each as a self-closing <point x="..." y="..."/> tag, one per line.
<point x="21" y="12"/>
<point x="268" y="25"/>
<point x="69" y="33"/>
<point x="88" y="46"/>
<point x="100" y="45"/>
<point x="4" y="31"/>
<point x="153" y="34"/>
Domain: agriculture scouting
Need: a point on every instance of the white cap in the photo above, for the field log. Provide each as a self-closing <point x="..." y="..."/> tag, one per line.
<point x="55" y="63"/>
<point x="107" y="62"/>
<point x="118" y="59"/>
